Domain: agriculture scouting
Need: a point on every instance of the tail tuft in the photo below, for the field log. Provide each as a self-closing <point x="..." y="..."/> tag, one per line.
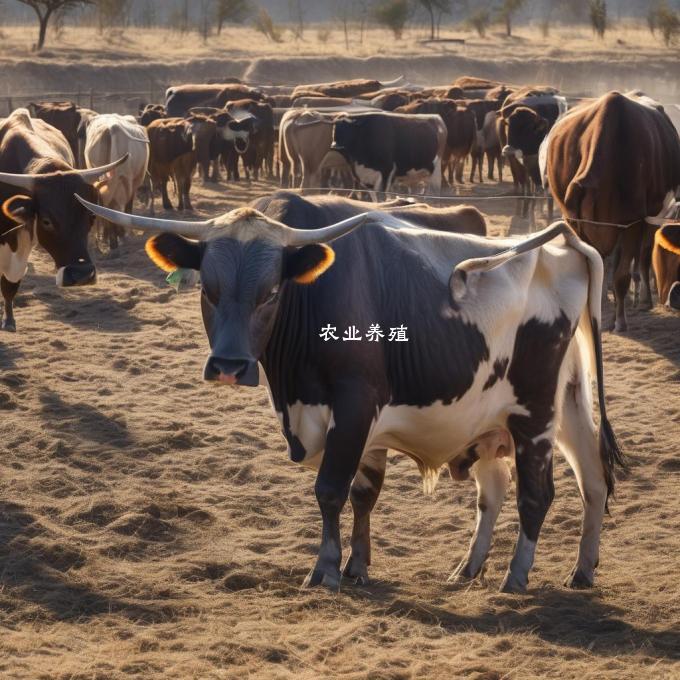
<point x="611" y="455"/>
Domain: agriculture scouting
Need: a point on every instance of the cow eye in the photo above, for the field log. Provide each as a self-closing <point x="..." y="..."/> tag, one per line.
<point x="47" y="224"/>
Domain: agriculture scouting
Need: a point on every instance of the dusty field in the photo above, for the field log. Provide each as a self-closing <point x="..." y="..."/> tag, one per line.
<point x="151" y="525"/>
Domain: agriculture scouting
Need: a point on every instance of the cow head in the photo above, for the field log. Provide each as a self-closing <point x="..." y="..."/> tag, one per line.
<point x="62" y="224"/>
<point x="150" y="113"/>
<point x="245" y="260"/>
<point x="234" y="130"/>
<point x="347" y="135"/>
<point x="525" y="131"/>
<point x="201" y="130"/>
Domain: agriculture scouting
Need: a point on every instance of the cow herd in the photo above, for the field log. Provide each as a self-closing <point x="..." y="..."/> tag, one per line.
<point x="498" y="339"/>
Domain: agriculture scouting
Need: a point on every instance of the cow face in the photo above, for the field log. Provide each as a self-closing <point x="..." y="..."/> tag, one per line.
<point x="62" y="224"/>
<point x="244" y="269"/>
<point x="235" y="131"/>
<point x="525" y="131"/>
<point x="201" y="130"/>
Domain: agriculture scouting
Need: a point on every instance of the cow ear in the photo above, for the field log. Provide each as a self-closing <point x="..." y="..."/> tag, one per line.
<point x="19" y="209"/>
<point x="305" y="265"/>
<point x="172" y="251"/>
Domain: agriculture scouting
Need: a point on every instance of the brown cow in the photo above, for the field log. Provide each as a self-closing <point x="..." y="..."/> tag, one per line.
<point x="179" y="99"/>
<point x="342" y="88"/>
<point x="171" y="155"/>
<point x="150" y="113"/>
<point x="203" y="130"/>
<point x="61" y="115"/>
<point x="666" y="262"/>
<point x="615" y="160"/>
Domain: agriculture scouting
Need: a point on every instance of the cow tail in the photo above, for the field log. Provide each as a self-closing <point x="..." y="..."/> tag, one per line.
<point x="609" y="449"/>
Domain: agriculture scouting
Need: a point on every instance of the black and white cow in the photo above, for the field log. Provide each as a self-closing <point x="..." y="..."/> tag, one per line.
<point x="502" y="337"/>
<point x="383" y="148"/>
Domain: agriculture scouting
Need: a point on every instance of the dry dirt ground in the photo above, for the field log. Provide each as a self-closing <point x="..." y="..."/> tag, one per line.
<point x="151" y="525"/>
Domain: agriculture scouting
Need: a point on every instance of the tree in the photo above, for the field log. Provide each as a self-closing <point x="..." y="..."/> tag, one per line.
<point x="46" y="9"/>
<point x="598" y="16"/>
<point x="393" y="14"/>
<point x="297" y="16"/>
<point x="232" y="11"/>
<point x="110" y="12"/>
<point x="480" y="21"/>
<point x="435" y="8"/>
<point x="668" y="22"/>
<point x="508" y="9"/>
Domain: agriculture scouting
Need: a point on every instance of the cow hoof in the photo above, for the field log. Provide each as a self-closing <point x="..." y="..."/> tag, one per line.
<point x="512" y="585"/>
<point x="9" y="326"/>
<point x="579" y="580"/>
<point x="356" y="572"/>
<point x="461" y="575"/>
<point x="317" y="577"/>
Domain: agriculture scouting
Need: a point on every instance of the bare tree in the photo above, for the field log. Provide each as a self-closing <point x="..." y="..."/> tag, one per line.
<point x="232" y="11"/>
<point x="46" y="10"/>
<point x="111" y="12"/>
<point x="393" y="14"/>
<point x="296" y="10"/>
<point x="435" y="8"/>
<point x="507" y="11"/>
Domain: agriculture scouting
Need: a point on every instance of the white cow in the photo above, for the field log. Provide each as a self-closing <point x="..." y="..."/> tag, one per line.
<point x="111" y="136"/>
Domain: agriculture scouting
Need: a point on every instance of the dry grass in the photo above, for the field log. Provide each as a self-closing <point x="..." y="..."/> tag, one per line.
<point x="151" y="525"/>
<point x="627" y="41"/>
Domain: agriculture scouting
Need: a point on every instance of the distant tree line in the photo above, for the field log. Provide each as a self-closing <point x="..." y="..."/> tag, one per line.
<point x="211" y="16"/>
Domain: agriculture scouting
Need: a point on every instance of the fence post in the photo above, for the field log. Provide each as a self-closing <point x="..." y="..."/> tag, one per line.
<point x="91" y="99"/>
<point x="10" y="107"/>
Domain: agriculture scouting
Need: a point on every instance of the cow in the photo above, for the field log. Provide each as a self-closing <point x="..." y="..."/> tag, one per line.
<point x="666" y="262"/>
<point x="86" y="115"/>
<point x="203" y="131"/>
<point x="344" y="88"/>
<point x="261" y="147"/>
<point x="386" y="147"/>
<point x="233" y="139"/>
<point x="305" y="138"/>
<point x="487" y="352"/>
<point x="36" y="159"/>
<point x="307" y="211"/>
<point x="181" y="98"/>
<point x="390" y="101"/>
<point x="320" y="102"/>
<point x="111" y="136"/>
<point x="171" y="155"/>
<point x="150" y="113"/>
<point x="61" y="115"/>
<point x="610" y="164"/>
<point x="460" y="131"/>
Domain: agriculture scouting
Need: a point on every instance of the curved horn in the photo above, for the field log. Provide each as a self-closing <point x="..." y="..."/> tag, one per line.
<point x="26" y="182"/>
<point x="193" y="229"/>
<point x="393" y="83"/>
<point x="303" y="237"/>
<point x="93" y="174"/>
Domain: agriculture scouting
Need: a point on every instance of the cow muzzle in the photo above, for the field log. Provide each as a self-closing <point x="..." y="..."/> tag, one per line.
<point x="232" y="371"/>
<point x="83" y="274"/>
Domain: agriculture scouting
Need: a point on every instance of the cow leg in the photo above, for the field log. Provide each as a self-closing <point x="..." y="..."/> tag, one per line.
<point x="363" y="496"/>
<point x="578" y="442"/>
<point x="492" y="478"/>
<point x="630" y="245"/>
<point x="645" y="262"/>
<point x="344" y="446"/>
<point x="535" y="493"/>
<point x="164" y="195"/>
<point x="9" y="290"/>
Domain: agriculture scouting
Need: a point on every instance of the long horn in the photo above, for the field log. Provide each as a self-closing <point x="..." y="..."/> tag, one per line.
<point x="192" y="229"/>
<point x="93" y="174"/>
<point x="27" y="181"/>
<point x="392" y="83"/>
<point x="303" y="237"/>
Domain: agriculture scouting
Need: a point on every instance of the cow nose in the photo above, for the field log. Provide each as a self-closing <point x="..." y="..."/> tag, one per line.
<point x="225" y="370"/>
<point x="82" y="274"/>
